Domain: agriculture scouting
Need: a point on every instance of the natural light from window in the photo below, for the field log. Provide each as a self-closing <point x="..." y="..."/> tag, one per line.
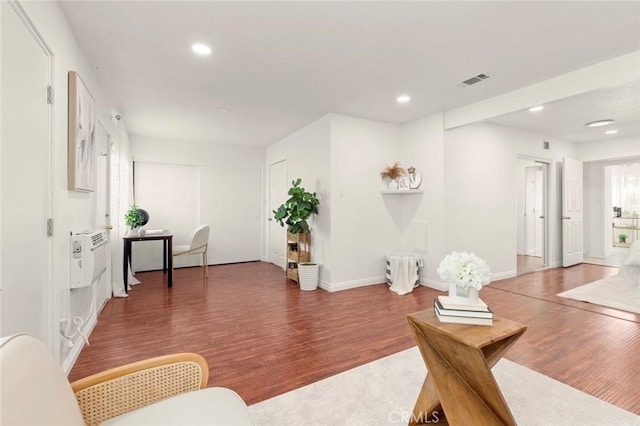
<point x="625" y="188"/>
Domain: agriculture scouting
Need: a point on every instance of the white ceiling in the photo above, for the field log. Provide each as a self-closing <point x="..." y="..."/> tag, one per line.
<point x="277" y="66"/>
<point x="566" y="119"/>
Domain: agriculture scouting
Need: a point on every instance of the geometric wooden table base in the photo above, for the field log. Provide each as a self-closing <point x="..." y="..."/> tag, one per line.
<point x="459" y="381"/>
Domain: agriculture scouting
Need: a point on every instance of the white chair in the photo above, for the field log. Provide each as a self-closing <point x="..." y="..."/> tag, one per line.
<point x="199" y="242"/>
<point x="167" y="390"/>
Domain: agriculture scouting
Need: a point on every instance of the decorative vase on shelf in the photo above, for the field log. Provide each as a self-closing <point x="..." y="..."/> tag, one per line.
<point x="132" y="232"/>
<point x="463" y="294"/>
<point x="393" y="184"/>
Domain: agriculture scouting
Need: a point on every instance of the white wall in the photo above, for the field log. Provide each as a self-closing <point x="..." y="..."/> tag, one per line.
<point x="307" y="154"/>
<point x="341" y="158"/>
<point x="71" y="210"/>
<point x="608" y="149"/>
<point x="171" y="151"/>
<point x="204" y="173"/>
<point x="423" y="147"/>
<point x="365" y="225"/>
<point x="481" y="187"/>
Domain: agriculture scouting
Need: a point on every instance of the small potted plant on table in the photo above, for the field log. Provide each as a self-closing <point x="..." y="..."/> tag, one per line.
<point x="134" y="220"/>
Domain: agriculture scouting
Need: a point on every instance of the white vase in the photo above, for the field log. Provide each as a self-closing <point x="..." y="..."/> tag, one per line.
<point x="393" y="184"/>
<point x="463" y="294"/>
<point x="132" y="232"/>
<point x="308" y="274"/>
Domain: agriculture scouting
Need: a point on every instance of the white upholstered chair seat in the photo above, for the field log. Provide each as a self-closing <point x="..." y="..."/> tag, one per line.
<point x="167" y="390"/>
<point x="198" y="244"/>
<point x="210" y="406"/>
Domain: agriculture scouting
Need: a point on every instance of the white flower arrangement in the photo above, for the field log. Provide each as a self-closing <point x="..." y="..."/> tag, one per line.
<point x="465" y="270"/>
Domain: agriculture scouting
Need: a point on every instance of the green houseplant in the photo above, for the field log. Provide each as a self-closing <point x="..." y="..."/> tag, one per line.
<point x="297" y="209"/>
<point x="622" y="238"/>
<point x="134" y="218"/>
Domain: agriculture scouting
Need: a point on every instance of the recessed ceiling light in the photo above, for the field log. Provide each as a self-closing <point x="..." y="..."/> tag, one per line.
<point x="201" y="49"/>
<point x="403" y="99"/>
<point x="600" y="123"/>
<point x="611" y="132"/>
<point x="223" y="110"/>
<point x="536" y="108"/>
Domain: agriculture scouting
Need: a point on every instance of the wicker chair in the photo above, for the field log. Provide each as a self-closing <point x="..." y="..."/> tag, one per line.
<point x="168" y="390"/>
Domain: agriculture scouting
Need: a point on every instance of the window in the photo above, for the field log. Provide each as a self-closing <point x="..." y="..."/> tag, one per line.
<point x="625" y="187"/>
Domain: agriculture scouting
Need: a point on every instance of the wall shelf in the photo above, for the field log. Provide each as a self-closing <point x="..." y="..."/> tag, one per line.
<point x="402" y="191"/>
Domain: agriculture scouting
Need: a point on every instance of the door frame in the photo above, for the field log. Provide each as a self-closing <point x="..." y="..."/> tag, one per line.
<point x="546" y="243"/>
<point x="269" y="214"/>
<point x="104" y="222"/>
<point x="538" y="196"/>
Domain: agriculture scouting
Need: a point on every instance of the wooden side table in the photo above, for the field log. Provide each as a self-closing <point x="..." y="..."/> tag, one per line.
<point x="459" y="358"/>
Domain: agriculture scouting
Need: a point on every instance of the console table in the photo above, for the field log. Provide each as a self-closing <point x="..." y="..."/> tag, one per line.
<point x="459" y="383"/>
<point x="167" y="256"/>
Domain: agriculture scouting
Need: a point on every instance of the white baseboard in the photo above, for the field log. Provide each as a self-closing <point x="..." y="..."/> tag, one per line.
<point x="78" y="344"/>
<point x="347" y="285"/>
<point x="497" y="276"/>
<point x="436" y="285"/>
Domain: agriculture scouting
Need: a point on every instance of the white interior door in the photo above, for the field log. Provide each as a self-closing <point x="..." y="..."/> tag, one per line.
<point x="530" y="210"/>
<point x="278" y="187"/>
<point x="539" y="211"/>
<point x="572" y="214"/>
<point x="25" y="179"/>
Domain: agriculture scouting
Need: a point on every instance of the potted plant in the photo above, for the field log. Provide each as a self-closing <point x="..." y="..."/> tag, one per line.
<point x="294" y="213"/>
<point x="134" y="219"/>
<point x="622" y="238"/>
<point x="308" y="274"/>
<point x="297" y="209"/>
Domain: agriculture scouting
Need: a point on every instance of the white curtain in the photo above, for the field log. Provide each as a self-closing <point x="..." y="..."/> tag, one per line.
<point x="625" y="187"/>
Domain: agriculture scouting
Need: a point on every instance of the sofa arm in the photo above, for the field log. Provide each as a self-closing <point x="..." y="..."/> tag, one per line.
<point x="129" y="387"/>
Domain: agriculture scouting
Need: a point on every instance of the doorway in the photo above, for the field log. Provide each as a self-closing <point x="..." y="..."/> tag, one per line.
<point x="612" y="207"/>
<point x="277" y="196"/>
<point x="531" y="216"/>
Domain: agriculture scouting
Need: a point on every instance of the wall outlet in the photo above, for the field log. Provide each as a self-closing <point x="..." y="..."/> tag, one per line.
<point x="63" y="325"/>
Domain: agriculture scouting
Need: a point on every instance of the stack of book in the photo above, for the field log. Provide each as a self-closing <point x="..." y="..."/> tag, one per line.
<point x="449" y="311"/>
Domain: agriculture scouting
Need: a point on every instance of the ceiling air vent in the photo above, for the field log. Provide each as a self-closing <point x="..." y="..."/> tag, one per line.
<point x="473" y="80"/>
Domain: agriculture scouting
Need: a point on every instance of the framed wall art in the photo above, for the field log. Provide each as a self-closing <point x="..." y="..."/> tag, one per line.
<point x="81" y="130"/>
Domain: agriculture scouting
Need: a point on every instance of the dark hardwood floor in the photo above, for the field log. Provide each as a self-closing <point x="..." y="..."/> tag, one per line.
<point x="262" y="336"/>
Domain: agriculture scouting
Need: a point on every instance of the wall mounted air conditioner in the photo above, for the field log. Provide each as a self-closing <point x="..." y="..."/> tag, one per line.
<point x="88" y="257"/>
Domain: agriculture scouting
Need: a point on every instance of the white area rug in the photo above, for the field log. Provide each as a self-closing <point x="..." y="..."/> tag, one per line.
<point x="614" y="292"/>
<point x="383" y="392"/>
